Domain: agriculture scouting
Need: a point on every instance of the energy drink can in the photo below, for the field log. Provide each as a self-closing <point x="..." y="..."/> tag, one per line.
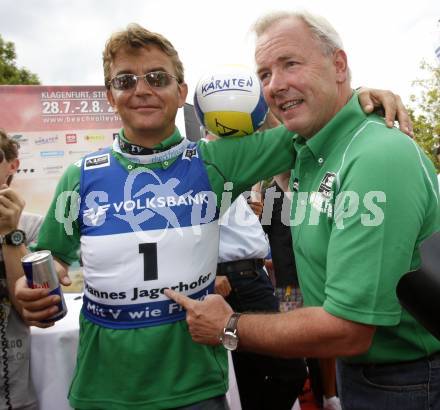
<point x="40" y="273"/>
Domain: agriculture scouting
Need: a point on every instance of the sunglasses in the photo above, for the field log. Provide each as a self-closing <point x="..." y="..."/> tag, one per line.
<point x="155" y="79"/>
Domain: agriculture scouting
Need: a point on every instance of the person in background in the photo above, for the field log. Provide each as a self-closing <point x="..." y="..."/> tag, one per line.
<point x="322" y="372"/>
<point x="17" y="230"/>
<point x="264" y="382"/>
<point x="363" y="198"/>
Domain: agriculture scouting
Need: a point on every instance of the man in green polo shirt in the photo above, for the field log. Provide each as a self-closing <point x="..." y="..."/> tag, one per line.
<point x="364" y="198"/>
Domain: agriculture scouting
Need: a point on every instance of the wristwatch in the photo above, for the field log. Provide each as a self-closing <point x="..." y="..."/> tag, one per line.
<point x="15" y="238"/>
<point x="229" y="337"/>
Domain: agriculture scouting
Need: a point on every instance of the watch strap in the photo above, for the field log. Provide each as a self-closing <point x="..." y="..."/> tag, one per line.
<point x="233" y="322"/>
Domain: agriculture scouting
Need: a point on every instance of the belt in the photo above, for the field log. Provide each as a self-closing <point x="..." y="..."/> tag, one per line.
<point x="244" y="267"/>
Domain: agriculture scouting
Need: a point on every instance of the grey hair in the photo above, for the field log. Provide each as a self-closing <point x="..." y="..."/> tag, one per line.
<point x="321" y="29"/>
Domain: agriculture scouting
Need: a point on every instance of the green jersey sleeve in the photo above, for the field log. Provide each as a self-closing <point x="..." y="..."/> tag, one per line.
<point x="60" y="230"/>
<point x="247" y="160"/>
<point x="374" y="243"/>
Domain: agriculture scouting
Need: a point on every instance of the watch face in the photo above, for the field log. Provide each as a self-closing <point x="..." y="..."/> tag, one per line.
<point x="17" y="238"/>
<point x="230" y="340"/>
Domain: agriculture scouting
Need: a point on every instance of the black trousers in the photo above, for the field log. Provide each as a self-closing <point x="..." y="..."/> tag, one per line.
<point x="264" y="382"/>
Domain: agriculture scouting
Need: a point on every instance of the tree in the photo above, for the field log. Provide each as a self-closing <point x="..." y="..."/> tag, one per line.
<point x="426" y="113"/>
<point x="9" y="72"/>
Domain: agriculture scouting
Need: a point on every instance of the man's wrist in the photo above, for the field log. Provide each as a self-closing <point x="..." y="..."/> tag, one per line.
<point x="229" y="337"/>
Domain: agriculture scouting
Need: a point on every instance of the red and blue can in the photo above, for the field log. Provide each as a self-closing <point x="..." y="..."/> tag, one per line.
<point x="40" y="273"/>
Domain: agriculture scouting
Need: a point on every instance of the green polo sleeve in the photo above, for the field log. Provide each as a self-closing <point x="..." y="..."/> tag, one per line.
<point x="247" y="160"/>
<point x="60" y="230"/>
<point x="386" y="204"/>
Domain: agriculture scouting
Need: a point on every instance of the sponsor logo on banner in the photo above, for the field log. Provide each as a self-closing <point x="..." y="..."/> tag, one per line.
<point x="51" y="154"/>
<point x="46" y="140"/>
<point x="71" y="139"/>
<point x="78" y="152"/>
<point x="94" y="137"/>
<point x="25" y="154"/>
<point x="21" y="139"/>
<point x="53" y="170"/>
<point x="98" y="161"/>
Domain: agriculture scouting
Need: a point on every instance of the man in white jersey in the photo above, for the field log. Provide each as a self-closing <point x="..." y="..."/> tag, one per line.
<point x="264" y="382"/>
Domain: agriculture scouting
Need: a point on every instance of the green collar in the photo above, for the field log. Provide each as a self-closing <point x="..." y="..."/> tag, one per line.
<point x="341" y="125"/>
<point x="167" y="143"/>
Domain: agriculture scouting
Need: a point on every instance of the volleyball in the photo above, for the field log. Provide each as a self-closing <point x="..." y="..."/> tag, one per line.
<point x="229" y="101"/>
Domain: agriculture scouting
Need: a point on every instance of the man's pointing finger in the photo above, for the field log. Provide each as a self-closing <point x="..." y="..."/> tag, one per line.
<point x="180" y="298"/>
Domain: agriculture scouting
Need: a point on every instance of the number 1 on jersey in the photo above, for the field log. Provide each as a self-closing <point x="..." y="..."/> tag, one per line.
<point x="149" y="250"/>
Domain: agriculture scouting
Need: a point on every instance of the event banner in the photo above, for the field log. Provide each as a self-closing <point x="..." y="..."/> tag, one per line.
<point x="55" y="126"/>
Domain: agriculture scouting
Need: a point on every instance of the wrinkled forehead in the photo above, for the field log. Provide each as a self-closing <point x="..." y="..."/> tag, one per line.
<point x="289" y="37"/>
<point x="285" y="27"/>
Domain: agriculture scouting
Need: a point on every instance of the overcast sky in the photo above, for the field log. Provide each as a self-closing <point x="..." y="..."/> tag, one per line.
<point x="62" y="40"/>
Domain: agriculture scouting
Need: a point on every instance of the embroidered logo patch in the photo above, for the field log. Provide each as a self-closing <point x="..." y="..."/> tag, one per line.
<point x="189" y="153"/>
<point x="326" y="185"/>
<point x="321" y="200"/>
<point x="98" y="161"/>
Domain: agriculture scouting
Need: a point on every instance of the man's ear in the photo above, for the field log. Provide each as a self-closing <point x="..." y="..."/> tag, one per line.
<point x="183" y="93"/>
<point x="13" y="166"/>
<point x="12" y="169"/>
<point x="341" y="66"/>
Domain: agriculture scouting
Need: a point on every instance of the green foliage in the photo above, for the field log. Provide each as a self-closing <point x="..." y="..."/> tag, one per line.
<point x="9" y="73"/>
<point x="426" y="112"/>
